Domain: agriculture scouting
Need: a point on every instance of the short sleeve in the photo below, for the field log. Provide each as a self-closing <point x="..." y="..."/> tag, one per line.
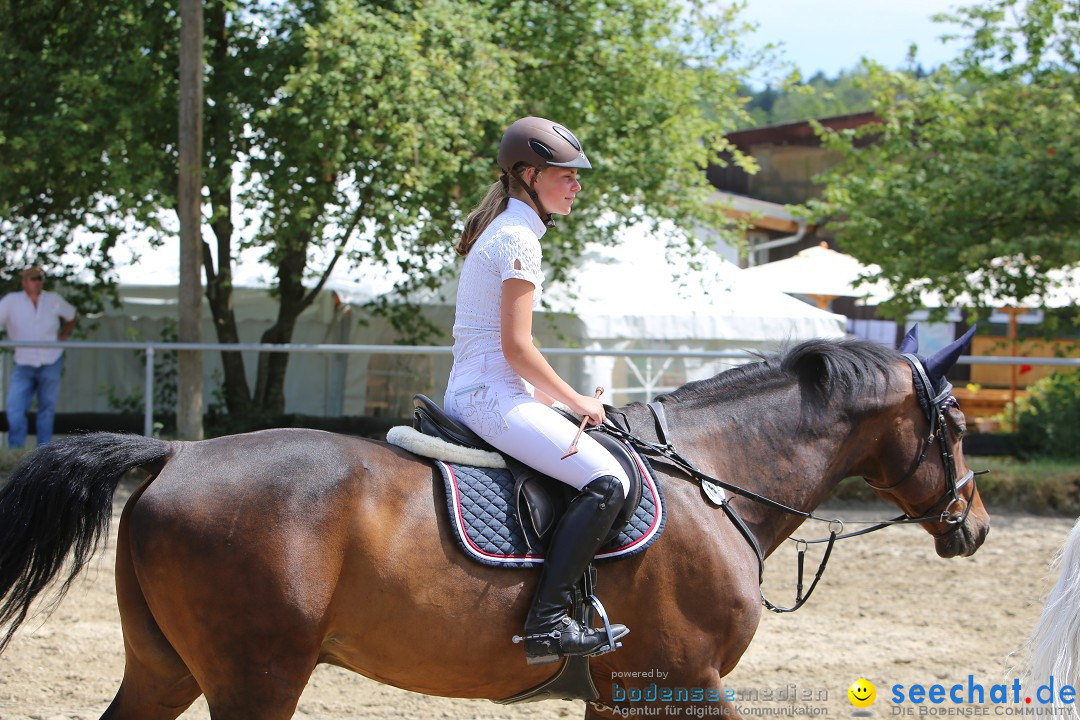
<point x="65" y="309"/>
<point x="518" y="256"/>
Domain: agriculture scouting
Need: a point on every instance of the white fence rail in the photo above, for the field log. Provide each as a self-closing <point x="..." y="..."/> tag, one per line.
<point x="646" y="376"/>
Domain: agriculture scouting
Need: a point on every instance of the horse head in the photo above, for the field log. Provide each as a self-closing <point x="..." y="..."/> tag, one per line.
<point x="919" y="463"/>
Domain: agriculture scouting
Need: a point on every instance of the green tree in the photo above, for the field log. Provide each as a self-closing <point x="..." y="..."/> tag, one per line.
<point x="815" y="98"/>
<point x="342" y="131"/>
<point x="972" y="168"/>
<point x="76" y="100"/>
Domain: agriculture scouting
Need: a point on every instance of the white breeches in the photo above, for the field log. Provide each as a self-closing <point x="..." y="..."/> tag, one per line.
<point x="490" y="398"/>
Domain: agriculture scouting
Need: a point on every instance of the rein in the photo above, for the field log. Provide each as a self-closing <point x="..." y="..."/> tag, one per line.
<point x="935" y="410"/>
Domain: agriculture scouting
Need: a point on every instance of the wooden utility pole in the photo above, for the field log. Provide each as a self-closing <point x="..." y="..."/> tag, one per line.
<point x="189" y="207"/>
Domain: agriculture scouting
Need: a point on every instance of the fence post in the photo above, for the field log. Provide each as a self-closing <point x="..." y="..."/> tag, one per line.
<point x="148" y="394"/>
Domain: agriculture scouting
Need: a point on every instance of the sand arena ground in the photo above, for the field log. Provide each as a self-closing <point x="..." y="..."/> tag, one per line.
<point x="888" y="609"/>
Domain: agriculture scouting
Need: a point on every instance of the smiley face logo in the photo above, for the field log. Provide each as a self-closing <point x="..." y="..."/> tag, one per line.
<point x="862" y="693"/>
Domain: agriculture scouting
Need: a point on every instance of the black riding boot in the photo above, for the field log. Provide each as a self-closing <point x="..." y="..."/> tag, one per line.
<point x="550" y="632"/>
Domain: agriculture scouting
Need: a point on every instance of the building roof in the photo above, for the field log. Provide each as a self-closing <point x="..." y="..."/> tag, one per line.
<point x="761" y="213"/>
<point x="797" y="133"/>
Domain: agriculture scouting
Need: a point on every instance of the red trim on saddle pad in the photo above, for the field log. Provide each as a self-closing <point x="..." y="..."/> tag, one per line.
<point x="489" y="531"/>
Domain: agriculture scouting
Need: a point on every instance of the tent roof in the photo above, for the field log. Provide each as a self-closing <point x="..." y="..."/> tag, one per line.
<point x="637" y="289"/>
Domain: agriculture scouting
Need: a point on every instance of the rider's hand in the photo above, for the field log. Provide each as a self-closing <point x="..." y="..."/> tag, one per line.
<point x="590" y="407"/>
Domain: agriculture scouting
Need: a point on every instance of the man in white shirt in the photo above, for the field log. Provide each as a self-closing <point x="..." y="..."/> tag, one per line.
<point x="35" y="315"/>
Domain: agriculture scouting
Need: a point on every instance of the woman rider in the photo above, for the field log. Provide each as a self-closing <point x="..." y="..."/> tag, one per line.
<point x="495" y="362"/>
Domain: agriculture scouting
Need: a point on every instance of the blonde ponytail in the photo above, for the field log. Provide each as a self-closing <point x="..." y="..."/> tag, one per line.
<point x="478" y="220"/>
<point x="506" y="187"/>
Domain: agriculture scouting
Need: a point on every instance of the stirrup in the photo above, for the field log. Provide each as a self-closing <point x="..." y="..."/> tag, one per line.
<point x="544" y="648"/>
<point x="613" y="643"/>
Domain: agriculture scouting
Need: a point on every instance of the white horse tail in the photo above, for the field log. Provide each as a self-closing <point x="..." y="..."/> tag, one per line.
<point x="1055" y="642"/>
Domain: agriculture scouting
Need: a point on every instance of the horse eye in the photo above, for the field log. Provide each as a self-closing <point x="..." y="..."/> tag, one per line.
<point x="958" y="420"/>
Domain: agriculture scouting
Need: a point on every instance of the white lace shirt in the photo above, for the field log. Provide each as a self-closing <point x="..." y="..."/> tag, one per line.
<point x="508" y="248"/>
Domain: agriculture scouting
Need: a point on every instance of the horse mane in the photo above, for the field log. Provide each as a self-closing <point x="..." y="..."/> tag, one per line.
<point x="828" y="368"/>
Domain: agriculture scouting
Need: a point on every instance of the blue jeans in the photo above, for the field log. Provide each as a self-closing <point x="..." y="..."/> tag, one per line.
<point x="27" y="380"/>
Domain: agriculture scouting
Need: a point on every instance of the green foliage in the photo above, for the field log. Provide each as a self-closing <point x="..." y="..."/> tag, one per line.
<point x="80" y="86"/>
<point x="353" y="132"/>
<point x="372" y="126"/>
<point x="816" y="98"/>
<point x="973" y="168"/>
<point x="1046" y="420"/>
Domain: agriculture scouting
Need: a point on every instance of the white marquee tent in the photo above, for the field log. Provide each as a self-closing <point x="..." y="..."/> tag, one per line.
<point x="637" y="295"/>
<point x="625" y="297"/>
<point x="822" y="274"/>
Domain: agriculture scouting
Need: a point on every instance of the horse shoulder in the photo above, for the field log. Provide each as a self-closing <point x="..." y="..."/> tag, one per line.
<point x="705" y="576"/>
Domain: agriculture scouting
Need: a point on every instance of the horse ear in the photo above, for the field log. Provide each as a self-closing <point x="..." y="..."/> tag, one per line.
<point x="910" y="343"/>
<point x="942" y="361"/>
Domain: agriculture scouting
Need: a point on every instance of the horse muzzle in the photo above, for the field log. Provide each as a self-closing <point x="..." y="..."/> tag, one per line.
<point x="961" y="538"/>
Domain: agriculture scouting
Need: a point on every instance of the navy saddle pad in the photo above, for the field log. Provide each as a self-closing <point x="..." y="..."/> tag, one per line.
<point x="485" y="521"/>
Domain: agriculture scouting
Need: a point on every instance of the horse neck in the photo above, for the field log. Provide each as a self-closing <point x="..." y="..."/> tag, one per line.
<point x="763" y="445"/>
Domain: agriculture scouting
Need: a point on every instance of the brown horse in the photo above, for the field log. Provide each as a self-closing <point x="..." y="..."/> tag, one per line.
<point x="244" y="561"/>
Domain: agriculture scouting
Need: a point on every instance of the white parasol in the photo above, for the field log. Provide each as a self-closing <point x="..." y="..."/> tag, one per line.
<point x="823" y="274"/>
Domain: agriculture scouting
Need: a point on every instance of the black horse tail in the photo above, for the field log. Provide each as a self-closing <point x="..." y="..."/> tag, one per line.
<point x="58" y="502"/>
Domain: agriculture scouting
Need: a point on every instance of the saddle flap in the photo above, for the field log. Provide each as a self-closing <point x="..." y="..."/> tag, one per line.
<point x="430" y="419"/>
<point x="545" y="499"/>
<point x="621" y="452"/>
<point x="539" y="506"/>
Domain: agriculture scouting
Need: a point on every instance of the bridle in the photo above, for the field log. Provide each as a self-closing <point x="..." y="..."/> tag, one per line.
<point x="935" y="405"/>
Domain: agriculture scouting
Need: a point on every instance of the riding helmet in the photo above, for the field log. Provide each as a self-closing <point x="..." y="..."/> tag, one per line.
<point x="539" y="143"/>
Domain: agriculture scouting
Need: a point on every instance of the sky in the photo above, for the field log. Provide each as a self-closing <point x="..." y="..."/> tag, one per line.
<point x="832" y="35"/>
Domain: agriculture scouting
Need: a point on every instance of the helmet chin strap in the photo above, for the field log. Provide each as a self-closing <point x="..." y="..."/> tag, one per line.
<point x="545" y="216"/>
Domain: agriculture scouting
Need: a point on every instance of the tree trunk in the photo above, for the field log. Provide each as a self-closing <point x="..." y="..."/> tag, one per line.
<point x="189" y="199"/>
<point x="270" y="385"/>
<point x="219" y="286"/>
